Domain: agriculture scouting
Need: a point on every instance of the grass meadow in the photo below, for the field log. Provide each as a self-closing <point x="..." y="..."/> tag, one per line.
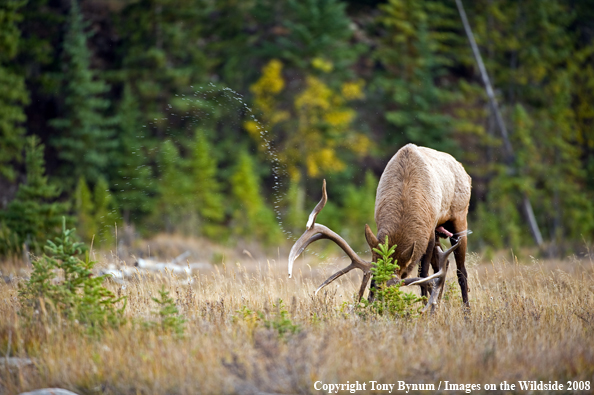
<point x="530" y="320"/>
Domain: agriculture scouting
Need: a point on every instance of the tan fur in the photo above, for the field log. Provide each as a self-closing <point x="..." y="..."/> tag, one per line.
<point x="420" y="189"/>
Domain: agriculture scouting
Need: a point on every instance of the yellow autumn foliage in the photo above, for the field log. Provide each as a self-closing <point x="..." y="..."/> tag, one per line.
<point x="360" y="144"/>
<point x="271" y="81"/>
<point x="316" y="96"/>
<point x="353" y="90"/>
<point x="265" y="90"/>
<point x="323" y="159"/>
<point x="253" y="128"/>
<point x="321" y="122"/>
<point x="321" y="64"/>
<point x="340" y="118"/>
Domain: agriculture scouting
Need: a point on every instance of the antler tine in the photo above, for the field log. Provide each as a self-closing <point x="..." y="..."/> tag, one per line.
<point x="308" y="236"/>
<point x="316" y="232"/>
<point x="438" y="287"/>
<point x="364" y="282"/>
<point x="353" y="265"/>
<point x="300" y="246"/>
<point x="336" y="275"/>
<point x="312" y="216"/>
<point x="442" y="259"/>
<point x="444" y="255"/>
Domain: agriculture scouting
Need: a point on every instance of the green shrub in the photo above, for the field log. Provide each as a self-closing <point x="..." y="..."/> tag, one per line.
<point x="281" y="322"/>
<point x="170" y="321"/>
<point x="79" y="296"/>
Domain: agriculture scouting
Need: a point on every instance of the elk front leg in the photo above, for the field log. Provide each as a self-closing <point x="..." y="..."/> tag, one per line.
<point x="424" y="268"/>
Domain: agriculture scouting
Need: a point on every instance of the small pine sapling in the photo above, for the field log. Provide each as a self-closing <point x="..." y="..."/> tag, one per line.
<point x="390" y="300"/>
<point x="170" y="320"/>
<point x="282" y="322"/>
<point x="80" y="295"/>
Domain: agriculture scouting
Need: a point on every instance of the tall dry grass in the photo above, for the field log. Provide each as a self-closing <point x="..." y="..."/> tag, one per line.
<point x="530" y="321"/>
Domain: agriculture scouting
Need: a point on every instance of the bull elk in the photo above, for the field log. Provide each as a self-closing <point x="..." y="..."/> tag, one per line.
<point x="422" y="194"/>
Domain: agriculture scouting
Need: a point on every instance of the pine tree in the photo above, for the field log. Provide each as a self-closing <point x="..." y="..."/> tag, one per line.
<point x="311" y="33"/>
<point x="581" y="67"/>
<point x="84" y="141"/>
<point x="530" y="57"/>
<point x="13" y="95"/>
<point x="411" y="53"/>
<point x="251" y="218"/>
<point x="131" y="173"/>
<point x="205" y="188"/>
<point x="34" y="215"/>
<point x="97" y="213"/>
<point x="232" y="52"/>
<point x="163" y="56"/>
<point x="106" y="214"/>
<point x="173" y="187"/>
<point x="86" y="226"/>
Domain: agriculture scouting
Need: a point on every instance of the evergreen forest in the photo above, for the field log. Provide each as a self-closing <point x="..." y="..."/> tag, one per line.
<point x="219" y="119"/>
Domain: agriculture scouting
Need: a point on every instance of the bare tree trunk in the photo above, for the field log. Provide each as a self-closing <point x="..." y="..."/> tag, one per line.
<point x="26" y="254"/>
<point x="509" y="153"/>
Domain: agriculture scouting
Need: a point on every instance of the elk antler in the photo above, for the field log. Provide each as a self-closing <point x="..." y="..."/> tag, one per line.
<point x="316" y="232"/>
<point x="438" y="287"/>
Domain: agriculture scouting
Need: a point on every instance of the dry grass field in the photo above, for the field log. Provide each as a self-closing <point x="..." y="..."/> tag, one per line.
<point x="530" y="320"/>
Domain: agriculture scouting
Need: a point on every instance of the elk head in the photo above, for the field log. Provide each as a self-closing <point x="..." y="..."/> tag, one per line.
<point x="315" y="231"/>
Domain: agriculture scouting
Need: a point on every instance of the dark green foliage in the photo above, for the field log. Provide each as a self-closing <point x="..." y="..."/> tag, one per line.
<point x="78" y="295"/>
<point x="530" y="59"/>
<point x="34" y="215"/>
<point x="231" y="24"/>
<point x="389" y="301"/>
<point x="131" y="171"/>
<point x="163" y="54"/>
<point x="84" y="141"/>
<point x="351" y="85"/>
<point x="13" y="95"/>
<point x="412" y="53"/>
<point x="307" y="32"/>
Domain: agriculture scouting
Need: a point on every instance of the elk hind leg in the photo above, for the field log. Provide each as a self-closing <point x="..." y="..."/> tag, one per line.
<point x="460" y="256"/>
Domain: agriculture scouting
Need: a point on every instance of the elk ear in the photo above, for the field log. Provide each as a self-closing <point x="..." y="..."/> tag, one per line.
<point x="409" y="253"/>
<point x="371" y="239"/>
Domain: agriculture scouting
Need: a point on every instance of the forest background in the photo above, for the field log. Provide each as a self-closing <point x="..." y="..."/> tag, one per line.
<point x="219" y="119"/>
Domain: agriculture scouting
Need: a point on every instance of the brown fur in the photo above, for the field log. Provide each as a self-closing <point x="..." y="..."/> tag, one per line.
<point x="420" y="190"/>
